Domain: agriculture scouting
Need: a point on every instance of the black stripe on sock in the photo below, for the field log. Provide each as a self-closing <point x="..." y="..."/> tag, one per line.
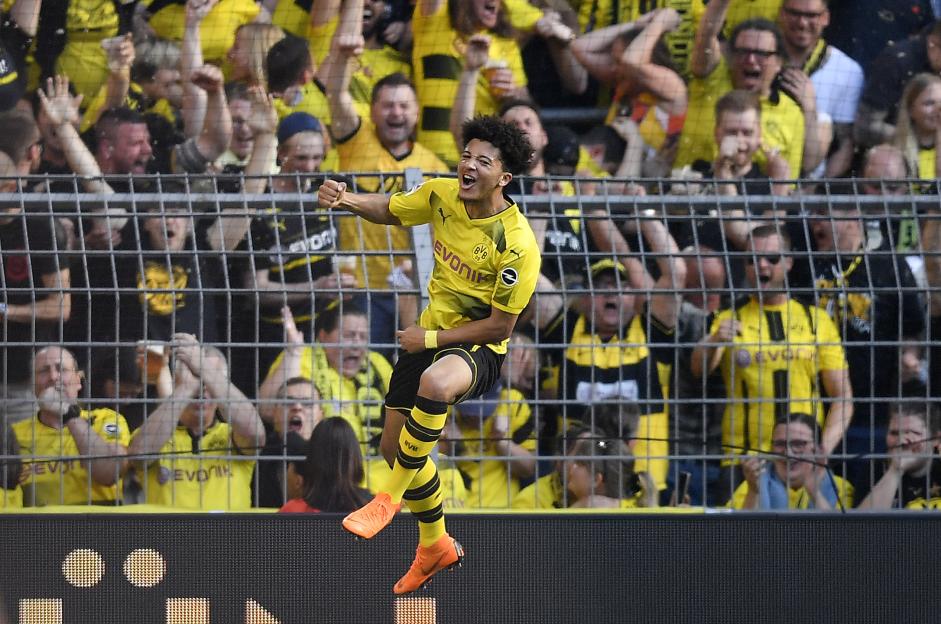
<point x="421" y="433"/>
<point x="424" y="491"/>
<point x="430" y="406"/>
<point x="432" y="515"/>
<point x="409" y="462"/>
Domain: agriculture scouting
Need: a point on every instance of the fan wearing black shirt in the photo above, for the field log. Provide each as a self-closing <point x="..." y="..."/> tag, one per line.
<point x="36" y="301"/>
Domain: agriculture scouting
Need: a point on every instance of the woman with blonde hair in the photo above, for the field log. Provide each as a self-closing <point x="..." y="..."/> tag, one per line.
<point x="247" y="56"/>
<point x="918" y="130"/>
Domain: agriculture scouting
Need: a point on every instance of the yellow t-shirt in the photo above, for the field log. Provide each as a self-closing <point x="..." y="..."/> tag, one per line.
<point x="438" y="64"/>
<point x="548" y="493"/>
<point x="926" y="164"/>
<point x="782" y="124"/>
<point x="217" y="32"/>
<point x="134" y="100"/>
<point x="597" y="14"/>
<point x="313" y="101"/>
<point x="492" y="484"/>
<point x="205" y="479"/>
<point x="363" y="152"/>
<point x="11" y="499"/>
<point x="358" y="400"/>
<point x="65" y="481"/>
<point x="479" y="263"/>
<point x="372" y="66"/>
<point x="772" y="368"/>
<point x="293" y="16"/>
<point x="83" y="60"/>
<point x="797" y="498"/>
<point x="741" y="10"/>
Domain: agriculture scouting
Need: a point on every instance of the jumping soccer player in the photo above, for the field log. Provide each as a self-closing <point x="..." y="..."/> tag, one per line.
<point x="486" y="264"/>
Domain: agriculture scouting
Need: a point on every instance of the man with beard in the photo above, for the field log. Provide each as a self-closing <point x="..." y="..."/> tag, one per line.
<point x="772" y="349"/>
<point x="383" y="141"/>
<point x="62" y="429"/>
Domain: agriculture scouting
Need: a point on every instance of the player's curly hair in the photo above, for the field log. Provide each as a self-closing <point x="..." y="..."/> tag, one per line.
<point x="515" y="150"/>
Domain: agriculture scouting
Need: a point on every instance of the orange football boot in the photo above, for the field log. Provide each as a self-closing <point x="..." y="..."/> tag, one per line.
<point x="372" y="517"/>
<point x="444" y="554"/>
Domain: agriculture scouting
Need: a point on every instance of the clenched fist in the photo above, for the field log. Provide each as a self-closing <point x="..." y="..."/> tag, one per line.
<point x="331" y="193"/>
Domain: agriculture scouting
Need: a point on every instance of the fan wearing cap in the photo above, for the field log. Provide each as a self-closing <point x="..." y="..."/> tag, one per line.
<point x="292" y="245"/>
<point x="616" y="353"/>
<point x="382" y="140"/>
<point x="772" y="349"/>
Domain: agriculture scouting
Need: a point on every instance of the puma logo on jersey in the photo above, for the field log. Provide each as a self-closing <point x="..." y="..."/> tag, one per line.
<point x="444" y="217"/>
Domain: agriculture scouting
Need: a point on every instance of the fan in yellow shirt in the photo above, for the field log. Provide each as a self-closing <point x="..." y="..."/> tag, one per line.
<point x="62" y="434"/>
<point x="486" y="266"/>
<point x="789" y="122"/>
<point x="772" y="350"/>
<point x="381" y="140"/>
<point x="217" y="31"/>
<point x="187" y="457"/>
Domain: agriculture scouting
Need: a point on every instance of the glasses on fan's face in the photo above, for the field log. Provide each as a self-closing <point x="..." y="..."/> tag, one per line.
<point x="795" y="446"/>
<point x="758" y="53"/>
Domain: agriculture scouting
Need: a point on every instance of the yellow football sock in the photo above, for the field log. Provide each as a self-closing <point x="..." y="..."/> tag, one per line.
<point x="423" y="499"/>
<point x="416" y="441"/>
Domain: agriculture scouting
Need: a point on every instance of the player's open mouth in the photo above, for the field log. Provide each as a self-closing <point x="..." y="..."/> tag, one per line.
<point x="467" y="181"/>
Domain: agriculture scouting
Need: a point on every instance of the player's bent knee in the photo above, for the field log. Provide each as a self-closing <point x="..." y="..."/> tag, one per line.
<point x="433" y="385"/>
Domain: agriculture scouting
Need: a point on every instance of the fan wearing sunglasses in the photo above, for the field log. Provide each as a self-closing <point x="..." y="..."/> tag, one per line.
<point x="772" y="349"/>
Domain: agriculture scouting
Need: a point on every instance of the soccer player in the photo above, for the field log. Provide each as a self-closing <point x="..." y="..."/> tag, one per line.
<point x="486" y="266"/>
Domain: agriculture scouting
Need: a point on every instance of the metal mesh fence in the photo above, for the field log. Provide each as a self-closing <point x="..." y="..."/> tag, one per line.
<point x="686" y="343"/>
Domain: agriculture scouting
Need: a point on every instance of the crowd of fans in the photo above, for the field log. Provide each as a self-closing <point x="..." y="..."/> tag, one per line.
<point x="187" y="352"/>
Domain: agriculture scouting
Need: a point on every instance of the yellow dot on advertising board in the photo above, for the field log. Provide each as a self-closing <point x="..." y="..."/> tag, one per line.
<point x="83" y="567"/>
<point x="145" y="567"/>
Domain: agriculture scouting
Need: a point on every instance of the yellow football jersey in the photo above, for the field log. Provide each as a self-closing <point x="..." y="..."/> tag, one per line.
<point x="438" y="61"/>
<point x="771" y="368"/>
<point x="782" y="124"/>
<point x="313" y="101"/>
<point x="926" y="164"/>
<point x="358" y="400"/>
<point x="293" y="16"/>
<point x="597" y="14"/>
<point x="193" y="473"/>
<point x="363" y="152"/>
<point x="798" y="498"/>
<point x="479" y="263"/>
<point x="217" y="32"/>
<point x="65" y="481"/>
<point x="83" y="60"/>
<point x="491" y="483"/>
<point x="741" y="10"/>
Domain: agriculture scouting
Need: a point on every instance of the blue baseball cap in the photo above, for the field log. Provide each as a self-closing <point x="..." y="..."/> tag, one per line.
<point x="297" y="122"/>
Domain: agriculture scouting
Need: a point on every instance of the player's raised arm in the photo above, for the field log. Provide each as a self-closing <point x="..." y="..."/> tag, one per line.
<point x="373" y="207"/>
